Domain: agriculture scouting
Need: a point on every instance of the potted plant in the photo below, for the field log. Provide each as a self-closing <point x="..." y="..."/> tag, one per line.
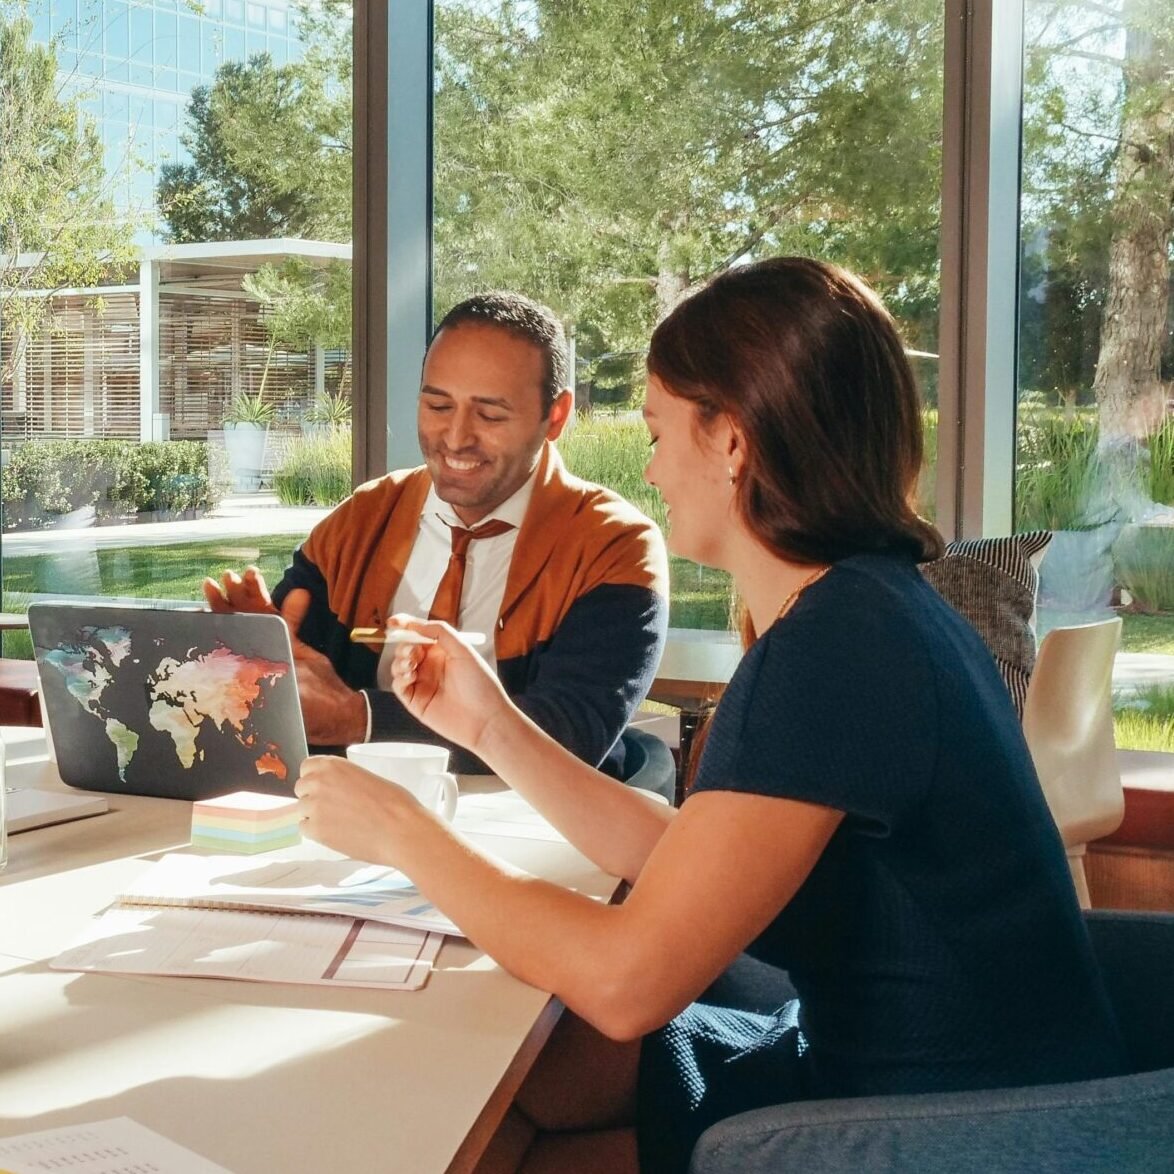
<point x="246" y="425"/>
<point x="327" y="414"/>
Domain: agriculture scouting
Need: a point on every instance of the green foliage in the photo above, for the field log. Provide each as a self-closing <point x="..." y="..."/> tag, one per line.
<point x="334" y="411"/>
<point x="1144" y="720"/>
<point x="1098" y="173"/>
<point x="305" y="304"/>
<point x="1143" y="563"/>
<point x="1160" y="444"/>
<point x="55" y="195"/>
<point x="608" y="155"/>
<point x="250" y="409"/>
<point x="271" y="156"/>
<point x="316" y="470"/>
<point x="42" y="482"/>
<point x="612" y="451"/>
<point x="927" y="479"/>
<point x="699" y="597"/>
<point x="1141" y="633"/>
<point x="1059" y="480"/>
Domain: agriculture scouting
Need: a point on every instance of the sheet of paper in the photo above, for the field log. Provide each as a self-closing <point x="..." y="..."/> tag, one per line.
<point x="116" y="1146"/>
<point x="257" y="947"/>
<point x="502" y="814"/>
<point x="345" y="887"/>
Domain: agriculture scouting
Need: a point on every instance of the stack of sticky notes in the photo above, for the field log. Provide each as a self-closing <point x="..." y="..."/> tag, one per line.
<point x="245" y="821"/>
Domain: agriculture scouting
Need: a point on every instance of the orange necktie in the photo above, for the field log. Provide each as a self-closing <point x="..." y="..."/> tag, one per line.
<point x="446" y="604"/>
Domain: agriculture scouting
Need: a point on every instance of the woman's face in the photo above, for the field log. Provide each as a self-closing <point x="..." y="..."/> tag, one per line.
<point x="690" y="466"/>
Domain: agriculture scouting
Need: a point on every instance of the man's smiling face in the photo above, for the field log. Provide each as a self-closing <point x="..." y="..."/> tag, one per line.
<point x="482" y="416"/>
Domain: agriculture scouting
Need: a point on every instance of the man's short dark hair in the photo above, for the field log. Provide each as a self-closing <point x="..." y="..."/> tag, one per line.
<point x="524" y="318"/>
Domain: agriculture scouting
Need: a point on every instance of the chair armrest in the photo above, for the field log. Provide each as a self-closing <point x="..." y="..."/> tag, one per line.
<point x="1135" y="954"/>
<point x="1094" y="1126"/>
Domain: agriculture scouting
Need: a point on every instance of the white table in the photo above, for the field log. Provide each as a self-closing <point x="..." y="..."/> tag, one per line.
<point x="694" y="669"/>
<point x="259" y="1078"/>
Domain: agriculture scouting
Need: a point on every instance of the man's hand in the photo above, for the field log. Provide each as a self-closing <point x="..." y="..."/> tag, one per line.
<point x="334" y="714"/>
<point x="235" y="593"/>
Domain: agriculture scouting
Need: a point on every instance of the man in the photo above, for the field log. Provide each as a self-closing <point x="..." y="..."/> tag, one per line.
<point x="567" y="580"/>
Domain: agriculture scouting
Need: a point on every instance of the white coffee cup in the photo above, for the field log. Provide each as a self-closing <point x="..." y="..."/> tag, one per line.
<point x="415" y="766"/>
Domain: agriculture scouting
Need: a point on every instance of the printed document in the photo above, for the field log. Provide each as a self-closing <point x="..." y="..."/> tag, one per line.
<point x="253" y="946"/>
<point x="116" y="1146"/>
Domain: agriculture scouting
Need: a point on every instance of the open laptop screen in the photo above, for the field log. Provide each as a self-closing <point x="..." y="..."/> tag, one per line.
<point x="177" y="704"/>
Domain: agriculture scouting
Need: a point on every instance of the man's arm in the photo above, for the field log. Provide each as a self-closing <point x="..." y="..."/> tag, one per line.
<point x="583" y="685"/>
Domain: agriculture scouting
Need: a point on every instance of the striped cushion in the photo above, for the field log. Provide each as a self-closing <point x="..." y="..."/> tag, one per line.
<point x="992" y="582"/>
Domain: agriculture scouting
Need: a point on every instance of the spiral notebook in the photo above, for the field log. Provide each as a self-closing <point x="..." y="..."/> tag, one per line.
<point x="287" y="885"/>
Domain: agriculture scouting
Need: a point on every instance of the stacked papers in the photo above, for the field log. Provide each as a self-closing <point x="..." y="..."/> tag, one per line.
<point x="246" y="822"/>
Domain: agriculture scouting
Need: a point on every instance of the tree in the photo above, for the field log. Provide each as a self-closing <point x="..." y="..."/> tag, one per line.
<point x="1128" y="383"/>
<point x="608" y="156"/>
<point x="306" y="305"/>
<point x="59" y="225"/>
<point x="1101" y="187"/>
<point x="270" y="154"/>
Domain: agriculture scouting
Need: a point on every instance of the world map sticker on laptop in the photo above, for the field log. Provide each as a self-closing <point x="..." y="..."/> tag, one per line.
<point x="185" y="704"/>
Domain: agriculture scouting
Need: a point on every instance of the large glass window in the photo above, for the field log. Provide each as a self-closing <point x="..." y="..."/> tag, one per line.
<point x="1095" y="431"/>
<point x="607" y="157"/>
<point x="175" y="374"/>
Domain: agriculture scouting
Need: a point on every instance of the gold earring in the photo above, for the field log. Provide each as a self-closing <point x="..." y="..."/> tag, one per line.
<point x="730" y="470"/>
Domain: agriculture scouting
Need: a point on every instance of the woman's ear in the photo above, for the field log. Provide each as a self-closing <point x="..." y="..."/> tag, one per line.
<point x="733" y="441"/>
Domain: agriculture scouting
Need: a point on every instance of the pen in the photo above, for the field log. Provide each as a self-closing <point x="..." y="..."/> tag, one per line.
<point x="406" y="636"/>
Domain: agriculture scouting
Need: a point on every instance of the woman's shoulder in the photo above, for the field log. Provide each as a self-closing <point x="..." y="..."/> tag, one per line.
<point x="864" y="599"/>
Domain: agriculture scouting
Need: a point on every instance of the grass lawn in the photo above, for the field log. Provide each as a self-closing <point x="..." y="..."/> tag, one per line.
<point x="700" y="596"/>
<point x="151" y="572"/>
<point x="1142" y="633"/>
<point x="172" y="572"/>
<point x="1146" y="720"/>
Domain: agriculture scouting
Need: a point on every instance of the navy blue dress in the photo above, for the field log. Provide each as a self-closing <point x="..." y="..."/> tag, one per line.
<point x="937" y="944"/>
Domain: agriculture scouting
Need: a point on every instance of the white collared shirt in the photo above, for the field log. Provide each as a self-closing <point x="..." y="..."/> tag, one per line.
<point x="487" y="566"/>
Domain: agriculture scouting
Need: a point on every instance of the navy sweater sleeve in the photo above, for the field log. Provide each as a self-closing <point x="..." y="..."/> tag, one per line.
<point x="583" y="684"/>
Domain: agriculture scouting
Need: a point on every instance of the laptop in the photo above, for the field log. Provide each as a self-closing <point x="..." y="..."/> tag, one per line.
<point x="28" y="805"/>
<point x="177" y="704"/>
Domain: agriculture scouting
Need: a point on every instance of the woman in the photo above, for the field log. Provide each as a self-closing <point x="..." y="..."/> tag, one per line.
<point x="864" y="815"/>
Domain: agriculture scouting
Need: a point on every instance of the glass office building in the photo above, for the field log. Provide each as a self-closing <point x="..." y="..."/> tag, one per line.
<point x="142" y="355"/>
<point x="135" y="63"/>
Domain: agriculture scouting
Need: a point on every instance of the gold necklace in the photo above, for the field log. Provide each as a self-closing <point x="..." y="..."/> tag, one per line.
<point x="788" y="603"/>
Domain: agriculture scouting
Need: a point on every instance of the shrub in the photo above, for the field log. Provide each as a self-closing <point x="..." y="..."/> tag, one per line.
<point x="1161" y="465"/>
<point x="1059" y="484"/>
<point x="1143" y="561"/>
<point x="927" y="479"/>
<point x="43" y="481"/>
<point x="333" y="410"/>
<point x="612" y="451"/>
<point x="316" y="470"/>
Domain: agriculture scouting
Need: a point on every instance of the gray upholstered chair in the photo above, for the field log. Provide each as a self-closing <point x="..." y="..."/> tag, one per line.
<point x="648" y="763"/>
<point x="1088" y="1127"/>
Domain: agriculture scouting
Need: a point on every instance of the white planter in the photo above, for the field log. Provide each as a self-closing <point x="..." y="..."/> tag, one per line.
<point x="244" y="445"/>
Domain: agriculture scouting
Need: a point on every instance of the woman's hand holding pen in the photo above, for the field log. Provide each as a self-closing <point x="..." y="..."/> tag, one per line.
<point x="447" y="685"/>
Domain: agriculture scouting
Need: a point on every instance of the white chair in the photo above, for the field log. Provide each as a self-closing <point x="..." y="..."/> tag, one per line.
<point x="1068" y="724"/>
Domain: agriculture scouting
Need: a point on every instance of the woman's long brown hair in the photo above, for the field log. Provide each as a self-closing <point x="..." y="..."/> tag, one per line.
<point x="805" y="360"/>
